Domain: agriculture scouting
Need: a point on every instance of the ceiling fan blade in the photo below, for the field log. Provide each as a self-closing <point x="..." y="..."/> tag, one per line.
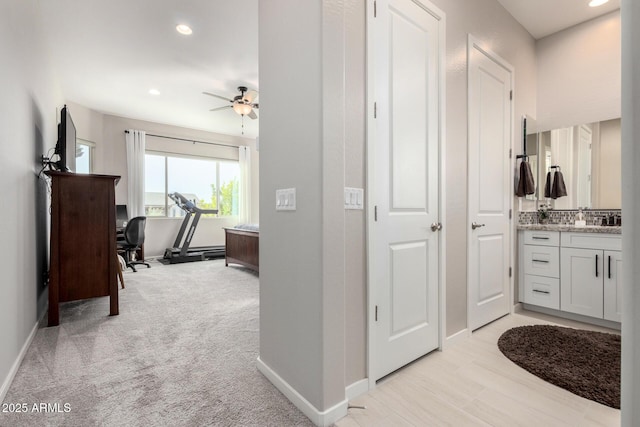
<point x="250" y="96"/>
<point x="221" y="108"/>
<point x="217" y="96"/>
<point x="252" y="115"/>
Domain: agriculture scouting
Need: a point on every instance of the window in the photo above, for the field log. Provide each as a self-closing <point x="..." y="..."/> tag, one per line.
<point x="84" y="156"/>
<point x="209" y="183"/>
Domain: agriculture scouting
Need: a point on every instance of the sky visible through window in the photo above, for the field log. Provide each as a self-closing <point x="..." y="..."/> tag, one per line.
<point x="187" y="175"/>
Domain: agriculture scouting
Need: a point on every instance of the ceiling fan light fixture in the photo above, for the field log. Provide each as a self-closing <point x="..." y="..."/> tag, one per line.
<point x="184" y="29"/>
<point x="596" y="3"/>
<point x="242" y="109"/>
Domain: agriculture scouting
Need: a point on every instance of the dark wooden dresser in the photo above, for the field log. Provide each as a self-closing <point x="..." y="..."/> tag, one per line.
<point x="83" y="240"/>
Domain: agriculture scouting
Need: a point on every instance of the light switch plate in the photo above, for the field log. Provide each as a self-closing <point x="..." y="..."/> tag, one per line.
<point x="353" y="198"/>
<point x="286" y="199"/>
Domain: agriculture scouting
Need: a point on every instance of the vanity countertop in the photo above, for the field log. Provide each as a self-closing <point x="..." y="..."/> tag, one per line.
<point x="569" y="227"/>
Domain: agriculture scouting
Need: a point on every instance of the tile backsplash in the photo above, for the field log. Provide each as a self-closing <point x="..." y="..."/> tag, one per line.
<point x="593" y="217"/>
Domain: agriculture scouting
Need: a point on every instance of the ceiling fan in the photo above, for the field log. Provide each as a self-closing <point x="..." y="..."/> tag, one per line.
<point x="242" y="104"/>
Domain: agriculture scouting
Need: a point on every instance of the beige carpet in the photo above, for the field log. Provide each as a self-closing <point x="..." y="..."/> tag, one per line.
<point x="182" y="352"/>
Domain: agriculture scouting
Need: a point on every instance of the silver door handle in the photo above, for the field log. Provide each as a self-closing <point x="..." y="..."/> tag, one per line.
<point x="475" y="225"/>
<point x="436" y="226"/>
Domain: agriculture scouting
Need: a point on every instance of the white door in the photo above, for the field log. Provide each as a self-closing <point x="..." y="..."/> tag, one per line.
<point x="489" y="186"/>
<point x="405" y="260"/>
<point x="581" y="281"/>
<point x="613" y="286"/>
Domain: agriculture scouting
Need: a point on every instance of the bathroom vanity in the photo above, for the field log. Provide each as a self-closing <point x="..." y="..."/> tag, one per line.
<point x="572" y="272"/>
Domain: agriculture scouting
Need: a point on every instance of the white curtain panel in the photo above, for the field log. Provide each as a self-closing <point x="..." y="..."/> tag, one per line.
<point x="244" y="193"/>
<point x="135" y="142"/>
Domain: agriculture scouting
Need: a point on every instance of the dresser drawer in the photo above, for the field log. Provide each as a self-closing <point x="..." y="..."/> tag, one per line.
<point x="542" y="291"/>
<point x="546" y="238"/>
<point x="542" y="260"/>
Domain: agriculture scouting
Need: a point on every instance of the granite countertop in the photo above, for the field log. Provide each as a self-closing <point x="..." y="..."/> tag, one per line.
<point x="614" y="229"/>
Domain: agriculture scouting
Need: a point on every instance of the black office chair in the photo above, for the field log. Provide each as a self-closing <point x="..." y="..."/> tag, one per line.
<point x="133" y="239"/>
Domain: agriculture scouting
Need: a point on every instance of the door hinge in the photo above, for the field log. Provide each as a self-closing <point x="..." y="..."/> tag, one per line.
<point x="510" y="95"/>
<point x="375" y="9"/>
<point x="510" y="271"/>
<point x="376" y="313"/>
<point x="375" y="213"/>
<point x="510" y="153"/>
<point x="375" y="110"/>
<point x="510" y="213"/>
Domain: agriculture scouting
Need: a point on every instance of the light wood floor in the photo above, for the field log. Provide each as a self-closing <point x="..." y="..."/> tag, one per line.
<point x="473" y="384"/>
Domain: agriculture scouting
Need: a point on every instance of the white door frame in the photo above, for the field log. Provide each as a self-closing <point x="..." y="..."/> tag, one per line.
<point x="370" y="179"/>
<point x="475" y="42"/>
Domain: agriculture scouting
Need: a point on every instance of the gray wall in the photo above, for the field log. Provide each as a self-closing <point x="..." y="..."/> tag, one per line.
<point x="488" y="21"/>
<point x="302" y="253"/>
<point x="28" y="129"/>
<point x="608" y="172"/>
<point x="630" y="375"/>
<point x="354" y="176"/>
<point x="579" y="74"/>
<point x="298" y="240"/>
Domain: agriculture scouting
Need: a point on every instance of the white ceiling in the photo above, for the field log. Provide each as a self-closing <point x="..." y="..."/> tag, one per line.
<point x="110" y="53"/>
<point x="544" y="17"/>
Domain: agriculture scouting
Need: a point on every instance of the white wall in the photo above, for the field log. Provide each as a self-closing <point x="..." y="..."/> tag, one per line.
<point x="488" y="21"/>
<point x="107" y="131"/>
<point x="29" y="106"/>
<point x="579" y="74"/>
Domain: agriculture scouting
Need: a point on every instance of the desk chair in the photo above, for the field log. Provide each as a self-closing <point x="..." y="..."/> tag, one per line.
<point x="133" y="239"/>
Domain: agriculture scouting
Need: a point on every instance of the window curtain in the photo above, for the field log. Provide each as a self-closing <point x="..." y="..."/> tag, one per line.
<point x="244" y="192"/>
<point x="135" y="144"/>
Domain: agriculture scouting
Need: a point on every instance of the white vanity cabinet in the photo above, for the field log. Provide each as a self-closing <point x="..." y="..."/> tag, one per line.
<point x="582" y="281"/>
<point x="574" y="272"/>
<point x="589" y="282"/>
<point x="540" y="258"/>
<point x="613" y="286"/>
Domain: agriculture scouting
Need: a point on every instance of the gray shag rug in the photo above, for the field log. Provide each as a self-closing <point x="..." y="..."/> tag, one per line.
<point x="586" y="363"/>
<point x="182" y="352"/>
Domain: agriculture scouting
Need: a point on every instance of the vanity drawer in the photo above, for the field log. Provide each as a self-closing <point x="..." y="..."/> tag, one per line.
<point x="542" y="260"/>
<point x="542" y="291"/>
<point x="611" y="242"/>
<point x="545" y="238"/>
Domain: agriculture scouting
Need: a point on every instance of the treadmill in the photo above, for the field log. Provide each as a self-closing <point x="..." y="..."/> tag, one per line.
<point x="181" y="250"/>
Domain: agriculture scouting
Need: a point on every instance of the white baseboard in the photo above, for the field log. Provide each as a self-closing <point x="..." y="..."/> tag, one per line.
<point x="16" y="364"/>
<point x="321" y="419"/>
<point x="357" y="389"/>
<point x="456" y="338"/>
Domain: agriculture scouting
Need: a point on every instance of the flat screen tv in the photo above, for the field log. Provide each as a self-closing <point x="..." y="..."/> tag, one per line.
<point x="66" y="145"/>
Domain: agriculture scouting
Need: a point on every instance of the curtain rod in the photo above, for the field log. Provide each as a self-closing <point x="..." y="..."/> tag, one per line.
<point x="189" y="140"/>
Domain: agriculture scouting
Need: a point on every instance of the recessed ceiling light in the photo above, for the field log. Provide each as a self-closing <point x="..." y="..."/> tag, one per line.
<point x="596" y="3"/>
<point x="184" y="29"/>
<point x="154" y="92"/>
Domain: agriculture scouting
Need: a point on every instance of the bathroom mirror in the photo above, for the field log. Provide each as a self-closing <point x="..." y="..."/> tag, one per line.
<point x="589" y="157"/>
<point x="530" y="148"/>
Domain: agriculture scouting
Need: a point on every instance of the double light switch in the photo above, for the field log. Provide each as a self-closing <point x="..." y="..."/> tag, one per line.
<point x="353" y="198"/>
<point x="286" y="199"/>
